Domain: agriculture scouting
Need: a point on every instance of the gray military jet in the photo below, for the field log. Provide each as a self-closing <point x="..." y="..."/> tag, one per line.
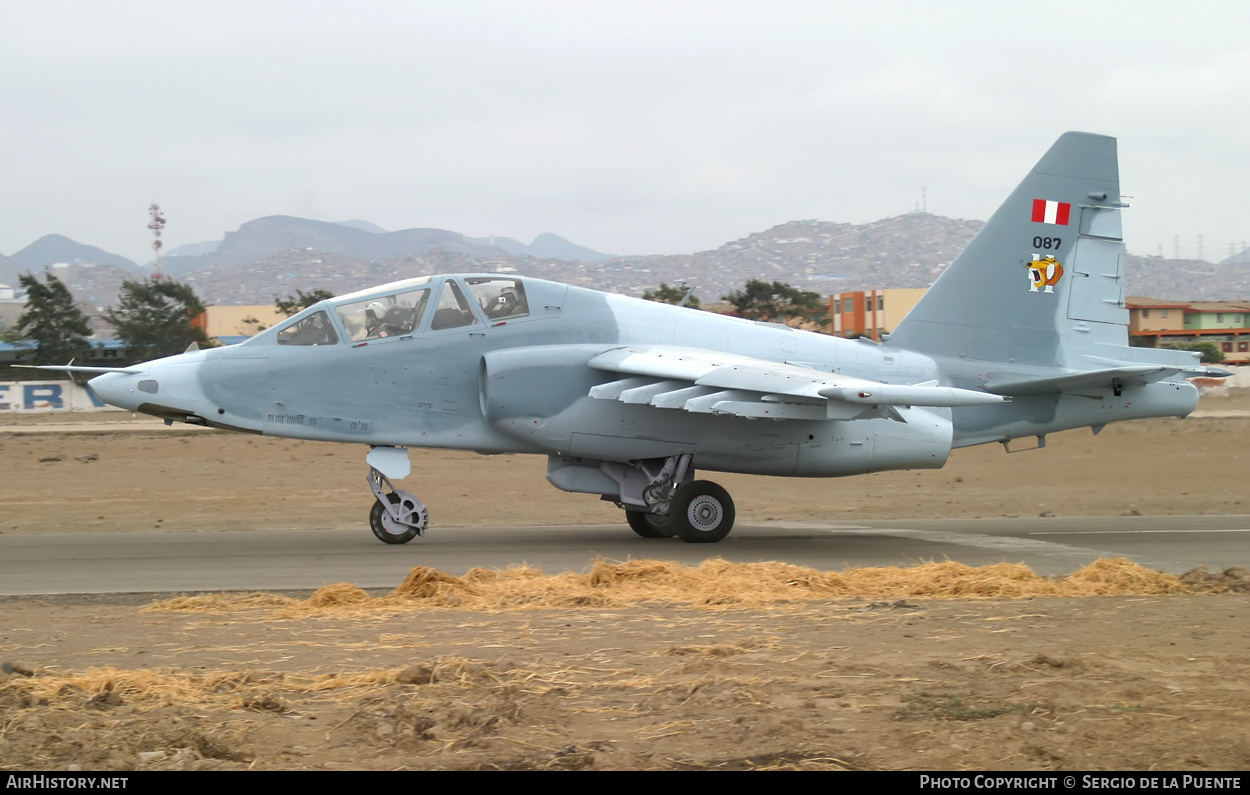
<point x="1023" y="335"/>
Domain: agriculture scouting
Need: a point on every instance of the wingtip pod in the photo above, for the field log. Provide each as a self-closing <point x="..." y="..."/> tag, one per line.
<point x="1208" y="372"/>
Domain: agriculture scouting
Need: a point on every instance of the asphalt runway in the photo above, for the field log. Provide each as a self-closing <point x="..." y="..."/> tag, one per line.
<point x="294" y="560"/>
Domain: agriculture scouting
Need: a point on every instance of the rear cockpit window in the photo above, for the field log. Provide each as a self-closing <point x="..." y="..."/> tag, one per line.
<point x="453" y="309"/>
<point x="312" y="330"/>
<point x="385" y="316"/>
<point x="499" y="298"/>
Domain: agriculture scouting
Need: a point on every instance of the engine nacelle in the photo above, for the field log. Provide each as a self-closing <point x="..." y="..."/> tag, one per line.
<point x="921" y="441"/>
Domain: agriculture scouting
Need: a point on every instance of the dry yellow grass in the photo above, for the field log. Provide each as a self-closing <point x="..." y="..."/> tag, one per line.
<point x="713" y="584"/>
<point x="157" y="688"/>
<point x="272" y="691"/>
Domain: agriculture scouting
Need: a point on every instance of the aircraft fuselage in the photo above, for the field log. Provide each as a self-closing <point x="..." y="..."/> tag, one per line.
<point x="523" y="386"/>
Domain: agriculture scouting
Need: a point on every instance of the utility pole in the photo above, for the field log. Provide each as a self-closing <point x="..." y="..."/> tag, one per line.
<point x="157" y="224"/>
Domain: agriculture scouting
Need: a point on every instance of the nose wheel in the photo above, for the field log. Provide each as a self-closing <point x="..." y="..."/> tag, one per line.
<point x="397" y="516"/>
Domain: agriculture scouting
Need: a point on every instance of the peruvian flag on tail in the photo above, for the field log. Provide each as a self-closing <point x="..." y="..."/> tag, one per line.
<point x="1048" y="212"/>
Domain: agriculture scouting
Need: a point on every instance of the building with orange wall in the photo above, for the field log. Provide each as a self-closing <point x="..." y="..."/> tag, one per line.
<point x="871" y="313"/>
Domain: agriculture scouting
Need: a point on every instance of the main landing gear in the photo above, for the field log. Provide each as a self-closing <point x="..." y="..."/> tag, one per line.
<point x="398" y="516"/>
<point x="650" y="525"/>
<point x="702" y="512"/>
<point x="662" y="501"/>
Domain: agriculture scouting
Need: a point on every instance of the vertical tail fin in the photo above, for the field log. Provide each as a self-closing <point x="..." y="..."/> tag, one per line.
<point x="1042" y="283"/>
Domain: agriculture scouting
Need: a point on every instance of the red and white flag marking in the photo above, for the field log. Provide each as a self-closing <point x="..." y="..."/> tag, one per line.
<point x="1048" y="212"/>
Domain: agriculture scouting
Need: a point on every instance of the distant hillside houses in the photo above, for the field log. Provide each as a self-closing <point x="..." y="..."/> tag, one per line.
<point x="1224" y="323"/>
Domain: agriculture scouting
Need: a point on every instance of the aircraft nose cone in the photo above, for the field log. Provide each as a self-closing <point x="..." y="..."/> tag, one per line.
<point x="117" y="389"/>
<point x="168" y="388"/>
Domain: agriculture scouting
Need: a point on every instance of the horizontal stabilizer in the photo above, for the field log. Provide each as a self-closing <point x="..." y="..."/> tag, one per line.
<point x="1133" y="375"/>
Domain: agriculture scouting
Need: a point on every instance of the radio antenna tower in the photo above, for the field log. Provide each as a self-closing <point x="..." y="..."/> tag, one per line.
<point x="156" y="225"/>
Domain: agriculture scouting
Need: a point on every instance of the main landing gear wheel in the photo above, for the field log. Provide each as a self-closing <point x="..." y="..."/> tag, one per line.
<point x="702" y="512"/>
<point x="650" y="525"/>
<point x="387" y="529"/>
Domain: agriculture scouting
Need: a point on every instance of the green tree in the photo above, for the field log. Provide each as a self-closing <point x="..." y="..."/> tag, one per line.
<point x="777" y="301"/>
<point x="154" y="318"/>
<point x="52" y="321"/>
<point x="294" y="304"/>
<point x="672" y="295"/>
<point x="10" y="335"/>
<point x="1211" y="353"/>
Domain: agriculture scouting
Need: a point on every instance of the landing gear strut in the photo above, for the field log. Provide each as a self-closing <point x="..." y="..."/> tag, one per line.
<point x="398" y="516"/>
<point x="662" y="500"/>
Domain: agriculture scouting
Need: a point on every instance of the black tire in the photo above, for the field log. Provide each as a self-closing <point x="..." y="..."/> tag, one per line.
<point x="375" y="523"/>
<point x="702" y="512"/>
<point x="650" y="525"/>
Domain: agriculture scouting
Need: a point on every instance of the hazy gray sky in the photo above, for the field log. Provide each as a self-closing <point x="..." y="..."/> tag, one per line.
<point x="630" y="127"/>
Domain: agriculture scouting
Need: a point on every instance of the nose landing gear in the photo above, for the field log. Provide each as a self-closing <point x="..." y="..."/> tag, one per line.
<point x="398" y="516"/>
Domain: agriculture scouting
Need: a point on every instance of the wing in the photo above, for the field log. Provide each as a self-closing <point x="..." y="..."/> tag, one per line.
<point x="712" y="382"/>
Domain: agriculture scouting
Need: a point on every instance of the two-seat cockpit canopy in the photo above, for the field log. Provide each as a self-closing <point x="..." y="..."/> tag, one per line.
<point x="403" y="309"/>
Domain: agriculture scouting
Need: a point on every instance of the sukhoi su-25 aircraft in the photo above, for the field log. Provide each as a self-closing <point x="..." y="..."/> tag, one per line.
<point x="1023" y="335"/>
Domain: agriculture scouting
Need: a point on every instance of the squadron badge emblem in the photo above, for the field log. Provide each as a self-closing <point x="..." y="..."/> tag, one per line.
<point x="1044" y="272"/>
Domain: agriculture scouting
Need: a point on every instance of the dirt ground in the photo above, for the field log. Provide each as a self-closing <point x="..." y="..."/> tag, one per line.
<point x="1129" y="682"/>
